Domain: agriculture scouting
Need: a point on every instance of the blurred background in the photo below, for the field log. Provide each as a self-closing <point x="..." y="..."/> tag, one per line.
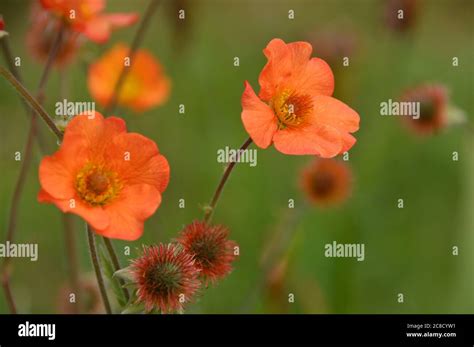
<point x="408" y="251"/>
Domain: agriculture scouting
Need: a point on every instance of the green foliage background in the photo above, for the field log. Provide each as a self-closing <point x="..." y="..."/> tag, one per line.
<point x="408" y="250"/>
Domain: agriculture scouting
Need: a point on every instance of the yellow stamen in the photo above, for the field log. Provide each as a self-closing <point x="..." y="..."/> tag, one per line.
<point x="292" y="109"/>
<point x="96" y="185"/>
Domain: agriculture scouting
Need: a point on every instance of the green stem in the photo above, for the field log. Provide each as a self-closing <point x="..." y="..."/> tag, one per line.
<point x="97" y="269"/>
<point x="34" y="104"/>
<point x="7" y="54"/>
<point x="28" y="148"/>
<point x="116" y="264"/>
<point x="210" y="209"/>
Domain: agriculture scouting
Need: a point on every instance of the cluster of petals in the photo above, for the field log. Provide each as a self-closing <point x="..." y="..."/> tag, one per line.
<point x="111" y="178"/>
<point x="294" y="109"/>
<point x="145" y="83"/>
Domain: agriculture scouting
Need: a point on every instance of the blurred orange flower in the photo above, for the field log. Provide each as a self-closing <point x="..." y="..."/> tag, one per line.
<point x="111" y="178"/>
<point x="42" y="34"/>
<point x="326" y="181"/>
<point x="433" y="101"/>
<point x="294" y="109"/>
<point x="87" y="17"/>
<point x="145" y="85"/>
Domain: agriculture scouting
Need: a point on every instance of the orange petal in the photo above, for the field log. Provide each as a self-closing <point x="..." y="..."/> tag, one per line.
<point x="144" y="164"/>
<point x="95" y="216"/>
<point x="128" y="214"/>
<point x="334" y="113"/>
<point x="289" y="67"/>
<point x="277" y="69"/>
<point x="118" y="20"/>
<point x="93" y="133"/>
<point x="347" y="142"/>
<point x="314" y="140"/>
<point x="97" y="29"/>
<point x="315" y="78"/>
<point x="258" y="118"/>
<point x="56" y="176"/>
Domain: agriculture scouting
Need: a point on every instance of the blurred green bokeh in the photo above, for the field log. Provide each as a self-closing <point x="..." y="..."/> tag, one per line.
<point x="407" y="250"/>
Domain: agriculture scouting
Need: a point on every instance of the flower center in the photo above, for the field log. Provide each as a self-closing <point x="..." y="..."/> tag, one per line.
<point x="323" y="184"/>
<point x="96" y="185"/>
<point x="427" y="111"/>
<point x="292" y="109"/>
<point x="163" y="278"/>
<point x="132" y="87"/>
<point x="206" y="251"/>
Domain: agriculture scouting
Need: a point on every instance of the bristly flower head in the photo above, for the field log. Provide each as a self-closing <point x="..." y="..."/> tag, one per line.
<point x="166" y="277"/>
<point x="326" y="181"/>
<point x="294" y="109"/>
<point x="213" y="251"/>
<point x="433" y="101"/>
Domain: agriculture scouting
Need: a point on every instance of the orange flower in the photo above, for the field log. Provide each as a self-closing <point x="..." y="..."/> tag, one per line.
<point x="87" y="17"/>
<point x="294" y="109"/>
<point x="145" y="84"/>
<point x="326" y="181"/>
<point x="433" y="101"/>
<point x="111" y="178"/>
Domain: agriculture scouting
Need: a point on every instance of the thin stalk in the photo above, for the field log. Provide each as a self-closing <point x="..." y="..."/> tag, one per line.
<point x="137" y="40"/>
<point x="9" y="295"/>
<point x="28" y="150"/>
<point x="116" y="264"/>
<point x="8" y="56"/>
<point x="97" y="269"/>
<point x="34" y="104"/>
<point x="6" y="267"/>
<point x="210" y="209"/>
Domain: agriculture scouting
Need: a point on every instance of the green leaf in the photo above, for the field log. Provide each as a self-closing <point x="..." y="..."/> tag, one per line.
<point x="124" y="274"/>
<point x="108" y="270"/>
<point x="134" y="309"/>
